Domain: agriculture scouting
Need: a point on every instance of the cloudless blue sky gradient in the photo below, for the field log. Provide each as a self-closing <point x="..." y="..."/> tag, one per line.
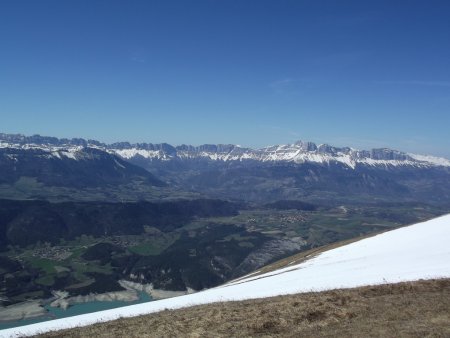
<point x="358" y="73"/>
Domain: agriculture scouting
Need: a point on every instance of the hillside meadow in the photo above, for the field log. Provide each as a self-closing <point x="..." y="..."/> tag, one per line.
<point x="410" y="309"/>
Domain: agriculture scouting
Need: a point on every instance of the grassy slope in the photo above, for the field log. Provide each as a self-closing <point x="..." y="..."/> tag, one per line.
<point x="412" y="309"/>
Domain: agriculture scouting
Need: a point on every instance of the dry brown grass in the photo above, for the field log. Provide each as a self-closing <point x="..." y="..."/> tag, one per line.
<point x="415" y="309"/>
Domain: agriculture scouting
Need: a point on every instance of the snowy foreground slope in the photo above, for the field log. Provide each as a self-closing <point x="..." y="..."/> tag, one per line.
<point x="419" y="251"/>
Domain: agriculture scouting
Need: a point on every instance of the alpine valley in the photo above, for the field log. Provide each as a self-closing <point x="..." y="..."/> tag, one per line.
<point x="80" y="218"/>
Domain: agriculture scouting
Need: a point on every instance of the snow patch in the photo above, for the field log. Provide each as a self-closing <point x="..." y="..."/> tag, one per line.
<point x="119" y="164"/>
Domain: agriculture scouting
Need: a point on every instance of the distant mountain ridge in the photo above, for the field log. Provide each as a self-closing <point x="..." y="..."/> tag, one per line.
<point x="47" y="168"/>
<point x="300" y="171"/>
<point x="76" y="167"/>
<point x="299" y="152"/>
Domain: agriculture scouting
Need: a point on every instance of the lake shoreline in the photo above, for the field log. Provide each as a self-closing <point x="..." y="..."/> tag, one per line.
<point x="63" y="305"/>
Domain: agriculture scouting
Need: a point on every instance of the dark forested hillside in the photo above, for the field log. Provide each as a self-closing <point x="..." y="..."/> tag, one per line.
<point x="27" y="222"/>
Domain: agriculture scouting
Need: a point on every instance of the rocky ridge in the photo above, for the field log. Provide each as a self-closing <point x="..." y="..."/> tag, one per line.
<point x="299" y="152"/>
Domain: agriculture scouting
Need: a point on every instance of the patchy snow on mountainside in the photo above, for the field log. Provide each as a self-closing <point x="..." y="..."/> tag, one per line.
<point x="50" y="151"/>
<point x="299" y="152"/>
<point x="439" y="161"/>
<point x="130" y="153"/>
<point x="419" y="251"/>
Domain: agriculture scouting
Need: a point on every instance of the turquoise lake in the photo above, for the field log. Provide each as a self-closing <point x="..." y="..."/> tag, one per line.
<point x="74" y="310"/>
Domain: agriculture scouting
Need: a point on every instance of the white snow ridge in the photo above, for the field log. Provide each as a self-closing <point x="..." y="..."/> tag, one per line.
<point x="419" y="251"/>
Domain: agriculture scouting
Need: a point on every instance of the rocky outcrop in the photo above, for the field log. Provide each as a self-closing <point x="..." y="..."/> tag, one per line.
<point x="268" y="252"/>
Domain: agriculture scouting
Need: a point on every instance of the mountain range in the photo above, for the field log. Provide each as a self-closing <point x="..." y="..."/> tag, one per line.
<point x="302" y="171"/>
<point x="299" y="152"/>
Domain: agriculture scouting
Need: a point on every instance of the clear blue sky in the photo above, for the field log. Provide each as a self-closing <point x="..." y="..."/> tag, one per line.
<point x="358" y="73"/>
